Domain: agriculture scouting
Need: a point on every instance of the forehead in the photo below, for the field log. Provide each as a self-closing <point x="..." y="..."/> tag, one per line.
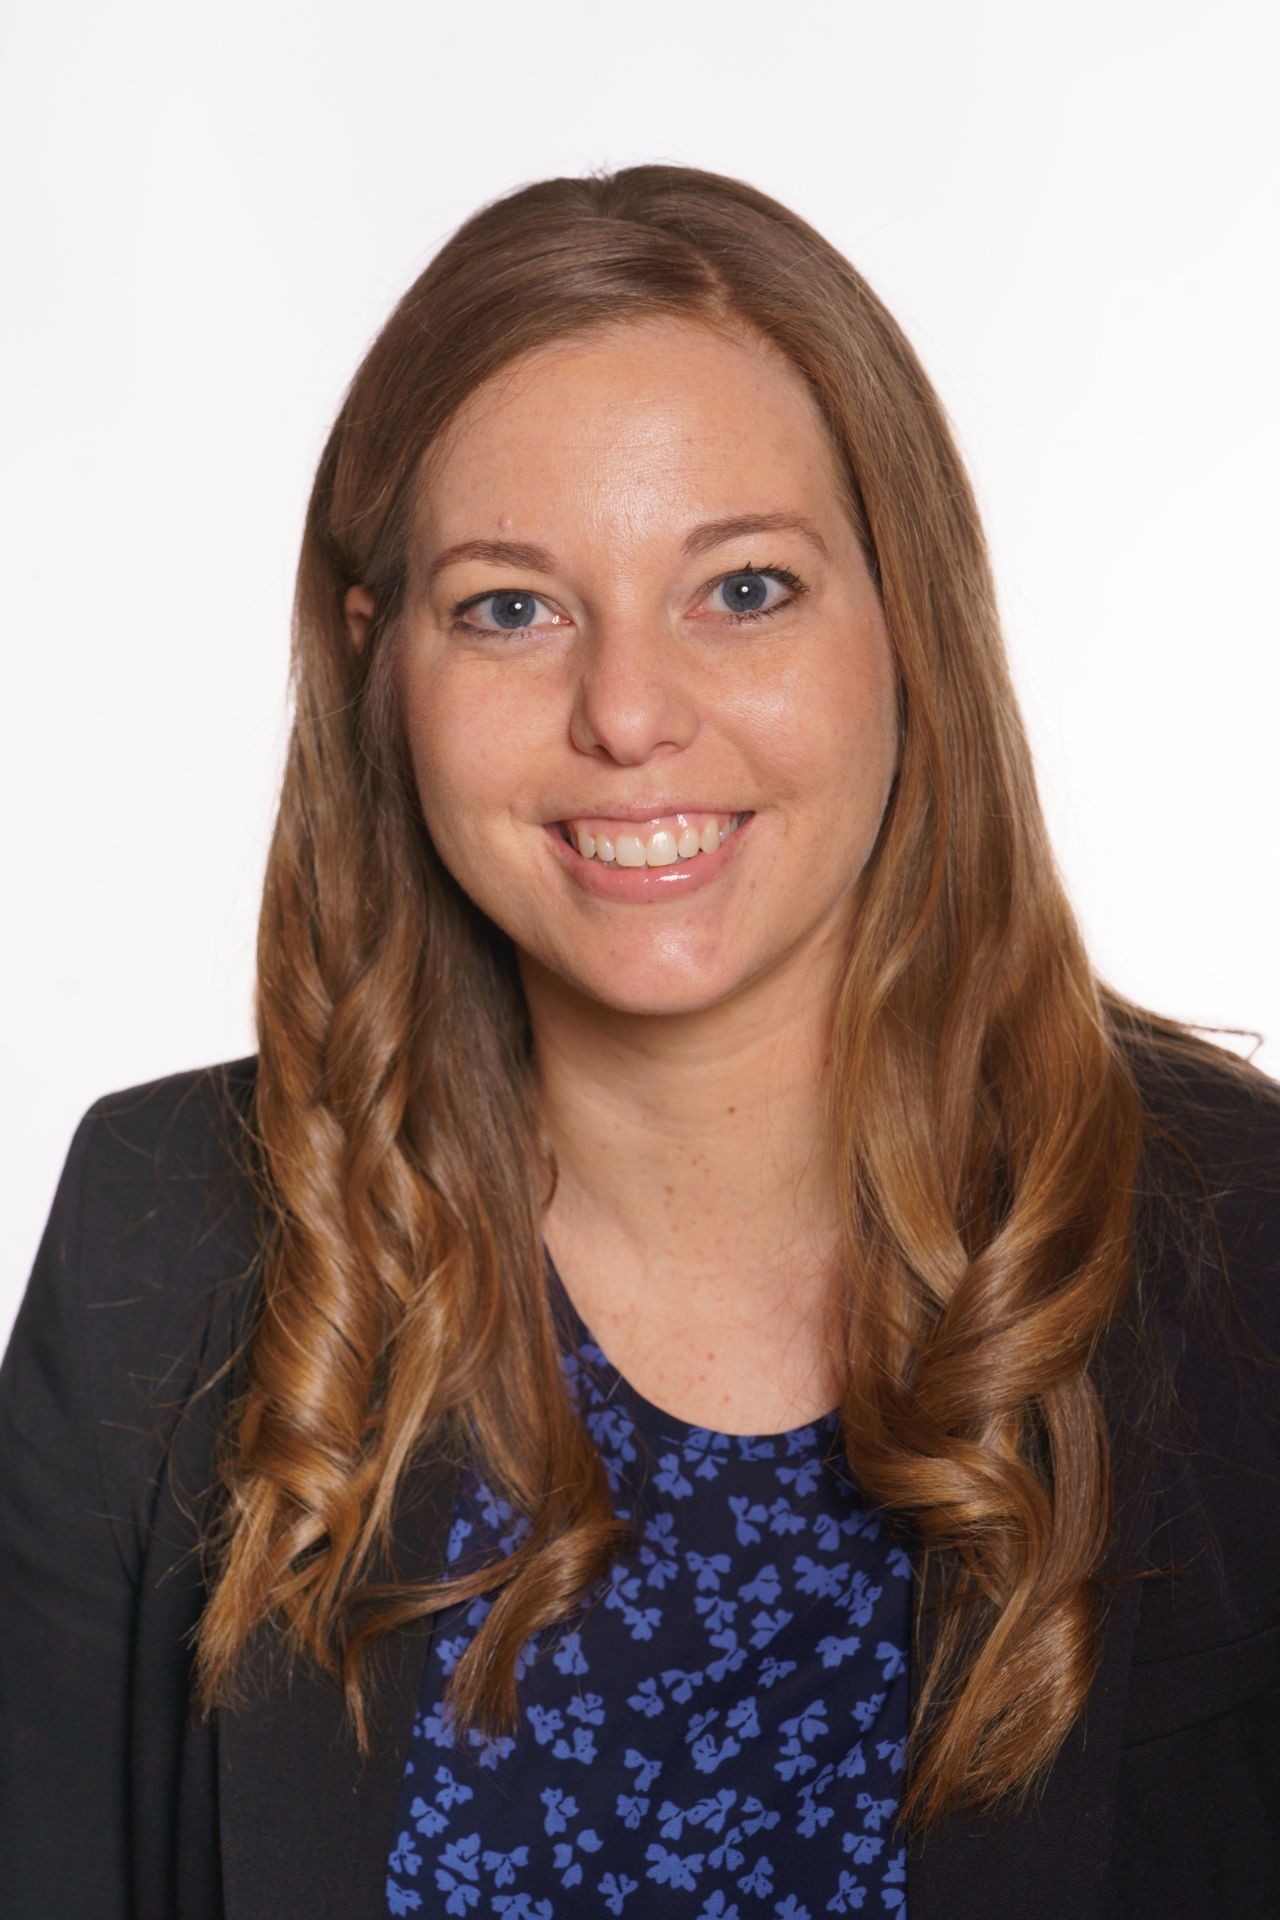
<point x="650" y="419"/>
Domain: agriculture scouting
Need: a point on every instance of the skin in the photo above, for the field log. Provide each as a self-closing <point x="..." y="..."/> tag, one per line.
<point x="680" y="1045"/>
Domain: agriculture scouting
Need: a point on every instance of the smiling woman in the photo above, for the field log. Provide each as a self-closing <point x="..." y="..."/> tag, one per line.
<point x="689" y="1356"/>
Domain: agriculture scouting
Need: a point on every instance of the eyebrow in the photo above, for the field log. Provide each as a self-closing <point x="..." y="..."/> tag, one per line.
<point x="699" y="539"/>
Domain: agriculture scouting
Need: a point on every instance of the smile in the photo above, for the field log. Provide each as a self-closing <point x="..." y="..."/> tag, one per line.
<point x="660" y="863"/>
<point x="664" y="841"/>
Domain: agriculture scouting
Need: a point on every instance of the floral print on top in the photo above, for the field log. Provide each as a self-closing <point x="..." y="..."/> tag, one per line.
<point x="718" y="1733"/>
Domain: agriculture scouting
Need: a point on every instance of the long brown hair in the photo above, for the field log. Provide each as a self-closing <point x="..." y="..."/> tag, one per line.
<point x="982" y="1095"/>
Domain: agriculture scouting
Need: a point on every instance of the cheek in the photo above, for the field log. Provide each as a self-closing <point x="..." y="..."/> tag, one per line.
<point x="864" y="694"/>
<point x="826" y="727"/>
<point x="444" y="772"/>
<point x="469" y="742"/>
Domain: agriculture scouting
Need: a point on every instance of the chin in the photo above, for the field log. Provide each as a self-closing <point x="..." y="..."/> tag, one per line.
<point x="655" y="987"/>
<point x="658" y="992"/>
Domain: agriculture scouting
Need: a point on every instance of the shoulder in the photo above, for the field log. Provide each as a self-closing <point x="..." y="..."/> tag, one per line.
<point x="181" y="1123"/>
<point x="1209" y="1293"/>
<point x="1213" y="1100"/>
<point x="149" y="1268"/>
<point x="1209" y="1190"/>
<point x="160" y="1178"/>
<point x="1196" y="1780"/>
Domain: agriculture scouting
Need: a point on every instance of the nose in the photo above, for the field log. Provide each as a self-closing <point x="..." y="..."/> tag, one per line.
<point x="633" y="691"/>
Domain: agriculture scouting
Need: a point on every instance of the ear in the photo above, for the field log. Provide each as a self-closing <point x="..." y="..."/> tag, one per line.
<point x="357" y="607"/>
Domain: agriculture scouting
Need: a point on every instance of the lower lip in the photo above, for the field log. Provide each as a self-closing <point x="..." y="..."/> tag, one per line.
<point x="648" y="884"/>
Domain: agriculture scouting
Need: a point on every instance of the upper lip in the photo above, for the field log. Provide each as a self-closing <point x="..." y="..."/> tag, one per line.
<point x="612" y="811"/>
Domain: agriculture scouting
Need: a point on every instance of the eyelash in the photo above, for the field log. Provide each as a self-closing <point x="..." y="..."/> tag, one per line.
<point x="782" y="574"/>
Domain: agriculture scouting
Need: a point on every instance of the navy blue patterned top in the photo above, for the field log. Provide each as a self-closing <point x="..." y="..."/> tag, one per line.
<point x="720" y="1728"/>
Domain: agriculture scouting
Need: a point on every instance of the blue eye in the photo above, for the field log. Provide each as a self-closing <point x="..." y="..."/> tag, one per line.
<point x="746" y="593"/>
<point x="515" y="608"/>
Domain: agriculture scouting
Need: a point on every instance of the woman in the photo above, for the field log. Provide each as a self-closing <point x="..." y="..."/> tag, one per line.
<point x="708" y="1364"/>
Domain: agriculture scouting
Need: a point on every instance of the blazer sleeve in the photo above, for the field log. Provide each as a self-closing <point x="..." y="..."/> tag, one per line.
<point x="66" y="1599"/>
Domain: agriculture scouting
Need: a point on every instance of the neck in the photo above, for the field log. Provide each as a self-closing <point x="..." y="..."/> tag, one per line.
<point x="692" y="1153"/>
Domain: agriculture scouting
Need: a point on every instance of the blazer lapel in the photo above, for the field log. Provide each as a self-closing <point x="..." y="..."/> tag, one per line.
<point x="1051" y="1860"/>
<point x="306" y="1825"/>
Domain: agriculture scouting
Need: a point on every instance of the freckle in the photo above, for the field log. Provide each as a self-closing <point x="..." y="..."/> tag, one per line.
<point x="733" y="1109"/>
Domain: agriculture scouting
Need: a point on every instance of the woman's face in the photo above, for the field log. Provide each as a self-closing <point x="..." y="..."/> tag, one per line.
<point x="583" y="664"/>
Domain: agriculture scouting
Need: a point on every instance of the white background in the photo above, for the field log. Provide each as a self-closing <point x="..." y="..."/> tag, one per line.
<point x="208" y="213"/>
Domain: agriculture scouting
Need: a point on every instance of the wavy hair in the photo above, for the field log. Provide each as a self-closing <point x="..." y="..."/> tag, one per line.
<point x="982" y="1097"/>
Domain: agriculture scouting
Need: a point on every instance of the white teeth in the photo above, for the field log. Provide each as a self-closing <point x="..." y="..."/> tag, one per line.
<point x="658" y="849"/>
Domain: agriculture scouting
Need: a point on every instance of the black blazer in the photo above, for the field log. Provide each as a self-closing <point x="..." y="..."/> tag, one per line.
<point x="116" y="1800"/>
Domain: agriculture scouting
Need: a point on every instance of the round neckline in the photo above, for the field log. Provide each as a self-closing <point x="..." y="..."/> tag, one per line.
<point x="656" y="1423"/>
